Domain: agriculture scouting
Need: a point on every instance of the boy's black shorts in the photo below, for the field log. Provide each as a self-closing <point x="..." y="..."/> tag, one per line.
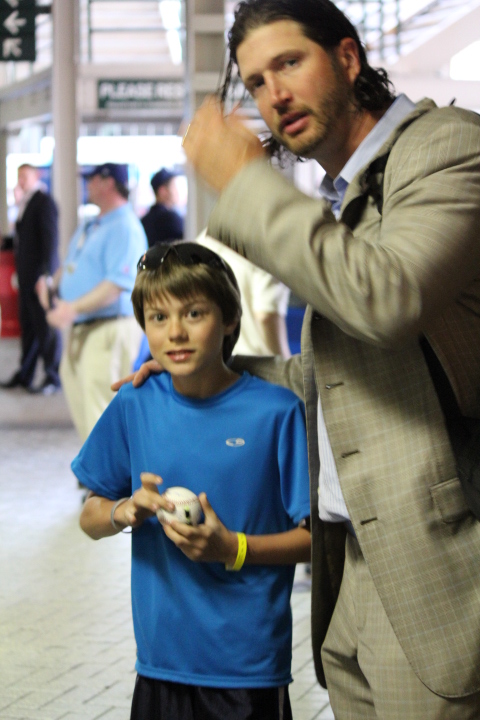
<point x="160" y="700"/>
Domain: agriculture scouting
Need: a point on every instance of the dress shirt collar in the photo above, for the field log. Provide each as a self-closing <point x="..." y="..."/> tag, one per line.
<point x="334" y="190"/>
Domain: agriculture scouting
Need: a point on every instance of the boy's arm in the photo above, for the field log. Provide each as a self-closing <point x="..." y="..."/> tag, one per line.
<point x="213" y="542"/>
<point x="285" y="548"/>
<point x="95" y="518"/>
<point x="100" y="518"/>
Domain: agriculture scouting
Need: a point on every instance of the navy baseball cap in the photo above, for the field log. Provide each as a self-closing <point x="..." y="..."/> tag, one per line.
<point x="162" y="177"/>
<point x="114" y="170"/>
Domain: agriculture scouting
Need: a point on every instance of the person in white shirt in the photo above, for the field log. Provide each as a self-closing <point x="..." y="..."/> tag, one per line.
<point x="264" y="304"/>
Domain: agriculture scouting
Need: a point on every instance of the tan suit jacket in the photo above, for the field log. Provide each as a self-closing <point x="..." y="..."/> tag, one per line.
<point x="371" y="294"/>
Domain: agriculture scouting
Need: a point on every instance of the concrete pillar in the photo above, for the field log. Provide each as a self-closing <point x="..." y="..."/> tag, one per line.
<point x="205" y="24"/>
<point x="65" y="116"/>
<point x="4" y="229"/>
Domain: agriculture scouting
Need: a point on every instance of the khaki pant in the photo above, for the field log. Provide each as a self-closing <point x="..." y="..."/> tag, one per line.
<point x="368" y="675"/>
<point x="96" y="355"/>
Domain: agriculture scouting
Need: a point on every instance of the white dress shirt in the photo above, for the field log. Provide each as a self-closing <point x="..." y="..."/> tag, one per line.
<point x="331" y="504"/>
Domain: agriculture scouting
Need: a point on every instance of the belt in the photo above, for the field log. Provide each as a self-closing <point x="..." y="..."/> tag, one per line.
<point x="350" y="529"/>
<point x="91" y="321"/>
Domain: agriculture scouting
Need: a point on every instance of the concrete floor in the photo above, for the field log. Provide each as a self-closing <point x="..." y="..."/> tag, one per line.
<point x="66" y="641"/>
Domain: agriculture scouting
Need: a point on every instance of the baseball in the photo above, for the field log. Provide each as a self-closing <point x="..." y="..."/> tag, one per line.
<point x="187" y="507"/>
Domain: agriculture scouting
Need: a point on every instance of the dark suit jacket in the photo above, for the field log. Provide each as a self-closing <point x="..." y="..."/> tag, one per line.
<point x="37" y="239"/>
<point x="162" y="225"/>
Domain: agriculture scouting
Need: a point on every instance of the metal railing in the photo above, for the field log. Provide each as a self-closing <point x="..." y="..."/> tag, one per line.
<point x="390" y="27"/>
<point x="120" y="31"/>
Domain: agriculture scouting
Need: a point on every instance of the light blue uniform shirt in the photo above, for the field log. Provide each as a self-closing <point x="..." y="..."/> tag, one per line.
<point x="106" y="248"/>
<point x="331" y="504"/>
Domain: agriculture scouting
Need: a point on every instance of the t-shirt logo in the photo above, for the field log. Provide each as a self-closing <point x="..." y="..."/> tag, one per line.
<point x="235" y="442"/>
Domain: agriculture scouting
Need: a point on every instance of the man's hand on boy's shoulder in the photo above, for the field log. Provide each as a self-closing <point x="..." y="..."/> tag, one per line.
<point x="138" y="378"/>
<point x="210" y="541"/>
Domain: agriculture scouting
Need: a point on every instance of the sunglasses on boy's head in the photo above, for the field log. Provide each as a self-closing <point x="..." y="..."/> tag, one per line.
<point x="187" y="253"/>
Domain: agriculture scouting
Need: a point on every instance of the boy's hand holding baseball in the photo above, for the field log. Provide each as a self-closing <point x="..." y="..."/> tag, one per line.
<point x="145" y="501"/>
<point x="209" y="542"/>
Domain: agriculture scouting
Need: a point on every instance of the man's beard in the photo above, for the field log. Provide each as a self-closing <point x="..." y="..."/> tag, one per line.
<point x="324" y="119"/>
<point x="305" y="147"/>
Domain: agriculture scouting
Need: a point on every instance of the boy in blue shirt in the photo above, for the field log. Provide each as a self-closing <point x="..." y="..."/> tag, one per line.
<point x="211" y="603"/>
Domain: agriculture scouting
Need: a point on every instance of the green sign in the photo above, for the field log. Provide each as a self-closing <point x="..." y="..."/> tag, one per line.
<point x="20" y="48"/>
<point x="138" y="94"/>
<point x="17" y="22"/>
<point x="17" y="30"/>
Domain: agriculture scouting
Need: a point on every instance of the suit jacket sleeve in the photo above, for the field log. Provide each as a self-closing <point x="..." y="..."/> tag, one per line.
<point x="274" y="369"/>
<point x="48" y="235"/>
<point x="384" y="282"/>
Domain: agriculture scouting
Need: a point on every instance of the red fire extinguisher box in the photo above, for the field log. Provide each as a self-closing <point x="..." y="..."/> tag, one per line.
<point x="9" y="324"/>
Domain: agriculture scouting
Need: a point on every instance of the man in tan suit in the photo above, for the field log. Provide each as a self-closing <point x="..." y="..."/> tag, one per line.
<point x="389" y="263"/>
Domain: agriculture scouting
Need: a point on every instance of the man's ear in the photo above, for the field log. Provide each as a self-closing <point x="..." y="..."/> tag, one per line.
<point x="162" y="193"/>
<point x="348" y="56"/>
<point x="111" y="183"/>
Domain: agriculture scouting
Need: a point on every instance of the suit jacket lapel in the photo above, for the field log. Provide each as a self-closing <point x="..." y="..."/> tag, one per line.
<point x="369" y="183"/>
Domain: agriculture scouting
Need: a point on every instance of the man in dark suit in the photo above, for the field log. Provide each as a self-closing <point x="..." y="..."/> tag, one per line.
<point x="162" y="222"/>
<point x="36" y="255"/>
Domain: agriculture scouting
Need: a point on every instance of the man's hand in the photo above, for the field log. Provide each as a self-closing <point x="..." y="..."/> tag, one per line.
<point x="62" y="315"/>
<point x="143" y="373"/>
<point x="41" y="288"/>
<point x="208" y="542"/>
<point x="219" y="147"/>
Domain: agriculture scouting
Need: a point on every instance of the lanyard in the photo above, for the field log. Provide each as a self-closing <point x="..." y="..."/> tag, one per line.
<point x="87" y="231"/>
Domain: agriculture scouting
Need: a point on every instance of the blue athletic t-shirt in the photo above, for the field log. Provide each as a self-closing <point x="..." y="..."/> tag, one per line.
<point x="196" y="622"/>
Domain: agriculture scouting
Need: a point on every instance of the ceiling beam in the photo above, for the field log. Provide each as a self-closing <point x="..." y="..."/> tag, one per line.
<point x="438" y="49"/>
<point x="441" y="90"/>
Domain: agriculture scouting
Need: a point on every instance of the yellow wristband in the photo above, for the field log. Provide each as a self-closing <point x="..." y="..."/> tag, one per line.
<point x="241" y="553"/>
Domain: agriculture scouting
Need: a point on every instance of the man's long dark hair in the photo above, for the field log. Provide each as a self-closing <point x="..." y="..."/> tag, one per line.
<point x="323" y="23"/>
